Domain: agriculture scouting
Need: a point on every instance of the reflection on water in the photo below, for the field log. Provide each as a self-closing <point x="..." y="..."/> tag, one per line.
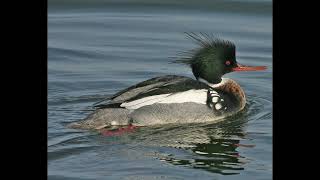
<point x="208" y="146"/>
<point x="213" y="149"/>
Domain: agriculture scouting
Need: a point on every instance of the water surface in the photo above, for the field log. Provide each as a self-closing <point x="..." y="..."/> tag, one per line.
<point x="96" y="48"/>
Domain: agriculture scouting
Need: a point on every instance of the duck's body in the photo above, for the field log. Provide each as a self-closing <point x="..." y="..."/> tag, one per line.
<point x="167" y="99"/>
<point x="178" y="99"/>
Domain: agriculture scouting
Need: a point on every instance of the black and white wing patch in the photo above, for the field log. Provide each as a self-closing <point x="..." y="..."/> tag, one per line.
<point x="163" y="85"/>
<point x="197" y="96"/>
<point x="216" y="102"/>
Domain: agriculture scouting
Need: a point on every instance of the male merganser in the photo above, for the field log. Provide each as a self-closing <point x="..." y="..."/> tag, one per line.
<point x="179" y="99"/>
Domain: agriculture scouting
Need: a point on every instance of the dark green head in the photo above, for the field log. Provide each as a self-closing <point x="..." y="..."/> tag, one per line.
<point x="214" y="58"/>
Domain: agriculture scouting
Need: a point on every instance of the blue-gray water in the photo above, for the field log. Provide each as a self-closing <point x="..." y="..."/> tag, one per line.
<point x="96" y="48"/>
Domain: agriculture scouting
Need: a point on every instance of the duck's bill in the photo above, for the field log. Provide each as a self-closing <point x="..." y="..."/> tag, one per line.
<point x="241" y="67"/>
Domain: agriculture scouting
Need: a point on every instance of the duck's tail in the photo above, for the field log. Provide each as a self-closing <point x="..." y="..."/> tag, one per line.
<point x="103" y="118"/>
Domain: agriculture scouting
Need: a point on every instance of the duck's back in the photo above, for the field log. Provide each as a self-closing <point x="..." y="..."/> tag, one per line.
<point x="154" y="87"/>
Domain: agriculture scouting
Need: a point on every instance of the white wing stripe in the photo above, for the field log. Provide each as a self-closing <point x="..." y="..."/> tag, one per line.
<point x="144" y="101"/>
<point x="197" y="96"/>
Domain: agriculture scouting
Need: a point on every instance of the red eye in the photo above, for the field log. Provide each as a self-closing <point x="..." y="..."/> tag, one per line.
<point x="228" y="63"/>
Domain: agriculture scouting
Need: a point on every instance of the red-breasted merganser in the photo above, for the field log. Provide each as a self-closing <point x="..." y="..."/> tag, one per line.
<point x="179" y="99"/>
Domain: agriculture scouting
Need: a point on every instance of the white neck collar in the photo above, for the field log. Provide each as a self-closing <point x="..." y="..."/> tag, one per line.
<point x="213" y="85"/>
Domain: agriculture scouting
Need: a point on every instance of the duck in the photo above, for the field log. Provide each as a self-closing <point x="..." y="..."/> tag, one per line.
<point x="208" y="97"/>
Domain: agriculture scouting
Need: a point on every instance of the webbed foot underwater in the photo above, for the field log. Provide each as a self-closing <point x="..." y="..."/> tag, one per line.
<point x="179" y="99"/>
